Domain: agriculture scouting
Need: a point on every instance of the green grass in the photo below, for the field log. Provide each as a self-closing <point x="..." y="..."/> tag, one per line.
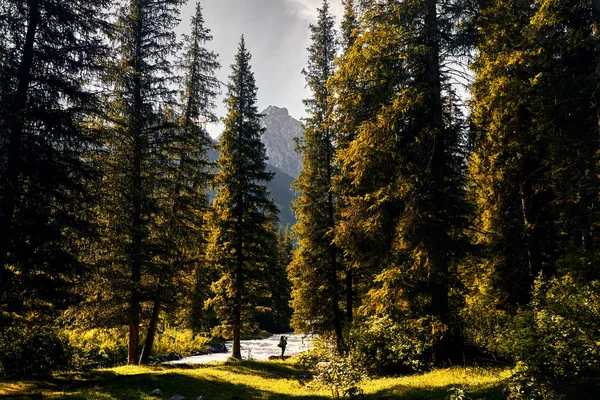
<point x="248" y="380"/>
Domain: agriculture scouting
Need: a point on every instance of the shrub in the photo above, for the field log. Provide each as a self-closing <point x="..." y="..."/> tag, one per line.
<point x="338" y="373"/>
<point x="341" y="377"/>
<point x="180" y="341"/>
<point x="30" y="350"/>
<point x="98" y="348"/>
<point x="382" y="346"/>
<point x="101" y="348"/>
<point x="557" y="342"/>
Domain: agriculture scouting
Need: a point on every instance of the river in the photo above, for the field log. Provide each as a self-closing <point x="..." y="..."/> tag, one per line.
<point x="259" y="349"/>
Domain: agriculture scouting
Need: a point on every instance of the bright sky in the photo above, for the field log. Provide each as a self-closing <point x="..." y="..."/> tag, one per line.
<point x="277" y="36"/>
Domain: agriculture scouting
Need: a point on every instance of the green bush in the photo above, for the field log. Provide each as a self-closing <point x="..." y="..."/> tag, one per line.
<point x="329" y="369"/>
<point x="29" y="350"/>
<point x="98" y="348"/>
<point x="382" y="346"/>
<point x="180" y="341"/>
<point x="557" y="342"/>
<point x="342" y="377"/>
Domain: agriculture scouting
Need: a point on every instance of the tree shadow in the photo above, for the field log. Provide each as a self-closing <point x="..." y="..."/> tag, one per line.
<point x="107" y="384"/>
<point x="272" y="370"/>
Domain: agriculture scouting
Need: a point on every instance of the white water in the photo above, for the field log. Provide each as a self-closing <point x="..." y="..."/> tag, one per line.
<point x="259" y="349"/>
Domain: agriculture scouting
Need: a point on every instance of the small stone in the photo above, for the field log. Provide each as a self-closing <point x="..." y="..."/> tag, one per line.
<point x="157" y="393"/>
<point x="322" y="365"/>
<point x="177" y="397"/>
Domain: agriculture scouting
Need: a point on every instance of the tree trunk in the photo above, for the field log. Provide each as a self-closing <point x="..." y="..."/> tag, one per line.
<point x="349" y="294"/>
<point x="596" y="34"/>
<point x="10" y="180"/>
<point x="333" y="257"/>
<point x="136" y="216"/>
<point x="438" y="276"/>
<point x="151" y="334"/>
<point x="134" y="336"/>
<point x="236" y="351"/>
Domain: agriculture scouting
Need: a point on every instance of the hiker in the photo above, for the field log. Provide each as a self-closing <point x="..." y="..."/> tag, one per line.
<point x="282" y="343"/>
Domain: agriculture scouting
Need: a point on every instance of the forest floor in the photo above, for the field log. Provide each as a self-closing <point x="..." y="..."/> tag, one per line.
<point x="250" y="380"/>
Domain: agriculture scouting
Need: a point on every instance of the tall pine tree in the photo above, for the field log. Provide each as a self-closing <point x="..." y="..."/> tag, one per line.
<point x="138" y="149"/>
<point x="316" y="266"/>
<point x="49" y="55"/>
<point x="241" y="224"/>
<point x="189" y="174"/>
<point x="535" y="143"/>
<point x="403" y="215"/>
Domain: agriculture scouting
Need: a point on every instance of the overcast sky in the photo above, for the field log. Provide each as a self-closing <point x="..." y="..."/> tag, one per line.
<point x="277" y="36"/>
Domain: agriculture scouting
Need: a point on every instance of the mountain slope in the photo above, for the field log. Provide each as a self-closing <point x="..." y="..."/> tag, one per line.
<point x="281" y="130"/>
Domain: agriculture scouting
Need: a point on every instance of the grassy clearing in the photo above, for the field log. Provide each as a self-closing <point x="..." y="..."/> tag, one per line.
<point x="248" y="380"/>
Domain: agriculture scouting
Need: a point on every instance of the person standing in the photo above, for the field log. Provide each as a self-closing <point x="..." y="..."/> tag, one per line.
<point x="282" y="344"/>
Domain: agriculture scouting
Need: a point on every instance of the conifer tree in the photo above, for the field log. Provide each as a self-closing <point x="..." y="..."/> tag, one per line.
<point x="344" y="117"/>
<point x="139" y="139"/>
<point x="48" y="58"/>
<point x="277" y="311"/>
<point x="403" y="216"/>
<point x="189" y="174"/>
<point x="241" y="233"/>
<point x="535" y="146"/>
<point x="316" y="266"/>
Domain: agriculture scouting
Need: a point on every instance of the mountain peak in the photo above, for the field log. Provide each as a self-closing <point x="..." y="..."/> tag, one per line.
<point x="274" y="110"/>
<point x="281" y="130"/>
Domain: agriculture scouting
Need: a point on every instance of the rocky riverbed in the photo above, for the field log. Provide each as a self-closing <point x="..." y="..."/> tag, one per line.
<point x="259" y="349"/>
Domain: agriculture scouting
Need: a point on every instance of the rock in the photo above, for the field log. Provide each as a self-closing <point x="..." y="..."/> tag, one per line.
<point x="281" y="130"/>
<point x="322" y="365"/>
<point x="278" y="357"/>
<point x="157" y="393"/>
<point x="200" y="397"/>
<point x="218" y="348"/>
<point x="177" y="397"/>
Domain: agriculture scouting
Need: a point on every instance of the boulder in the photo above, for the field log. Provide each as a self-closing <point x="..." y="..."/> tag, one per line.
<point x="156" y="393"/>
<point x="218" y="348"/>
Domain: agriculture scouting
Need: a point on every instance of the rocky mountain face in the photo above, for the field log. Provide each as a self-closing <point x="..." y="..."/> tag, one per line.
<point x="279" y="139"/>
<point x="283" y="160"/>
<point x="280" y="185"/>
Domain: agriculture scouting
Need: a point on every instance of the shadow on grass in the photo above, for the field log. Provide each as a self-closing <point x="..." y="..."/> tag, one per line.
<point x="234" y="385"/>
<point x="108" y="385"/>
<point x="271" y="370"/>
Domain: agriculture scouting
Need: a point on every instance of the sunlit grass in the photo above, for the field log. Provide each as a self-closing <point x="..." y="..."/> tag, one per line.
<point x="482" y="383"/>
<point x="248" y="380"/>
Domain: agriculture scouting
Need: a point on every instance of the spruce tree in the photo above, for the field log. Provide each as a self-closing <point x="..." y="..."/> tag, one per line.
<point x="535" y="146"/>
<point x="277" y="311"/>
<point x="402" y="218"/>
<point x="189" y="173"/>
<point x="49" y="55"/>
<point x="344" y="117"/>
<point x="243" y="211"/>
<point x="316" y="266"/>
<point x="139" y="142"/>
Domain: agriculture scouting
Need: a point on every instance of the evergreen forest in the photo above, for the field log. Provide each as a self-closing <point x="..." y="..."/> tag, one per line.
<point x="446" y="207"/>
